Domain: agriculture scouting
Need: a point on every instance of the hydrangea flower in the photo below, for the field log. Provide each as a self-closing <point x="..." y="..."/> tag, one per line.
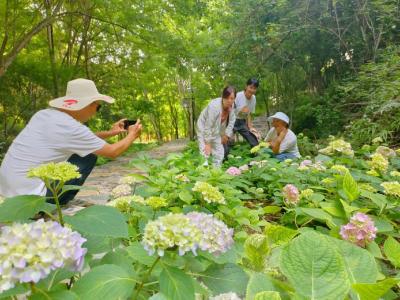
<point x="172" y="230"/>
<point x="259" y="164"/>
<point x="305" y="165"/>
<point x="377" y="140"/>
<point x="395" y="174"/>
<point x="319" y="166"/>
<point x="378" y="163"/>
<point x="130" y="180"/>
<point x="244" y="168"/>
<point x="216" y="236"/>
<point x="29" y="252"/>
<point x="308" y="164"/>
<point x="156" y="202"/>
<point x="182" y="177"/>
<point x="291" y="194"/>
<point x="328" y="181"/>
<point x="210" y="193"/>
<point x="338" y="146"/>
<point x="373" y="173"/>
<point x="62" y="171"/>
<point x="123" y="203"/>
<point x="342" y="170"/>
<point x="366" y="147"/>
<point x="257" y="148"/>
<point x="360" y="230"/>
<point x="226" y="296"/>
<point x="259" y="190"/>
<point x="307" y="193"/>
<point x="121" y="190"/>
<point x="385" y="152"/>
<point x="391" y="188"/>
<point x="233" y="171"/>
<point x="367" y="187"/>
<point x="1" y="199"/>
<point x="138" y="199"/>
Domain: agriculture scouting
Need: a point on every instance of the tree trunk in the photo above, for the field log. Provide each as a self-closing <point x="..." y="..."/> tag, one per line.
<point x="50" y="40"/>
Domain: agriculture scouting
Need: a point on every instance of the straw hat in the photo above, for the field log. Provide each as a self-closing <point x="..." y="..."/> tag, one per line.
<point x="80" y="93"/>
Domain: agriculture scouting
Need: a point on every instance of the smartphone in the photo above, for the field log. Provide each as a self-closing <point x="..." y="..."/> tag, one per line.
<point x="128" y="123"/>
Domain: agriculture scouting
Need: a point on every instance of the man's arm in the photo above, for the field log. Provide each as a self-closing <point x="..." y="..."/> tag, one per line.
<point x="249" y="122"/>
<point x="116" y="129"/>
<point x="116" y="149"/>
<point x="276" y="143"/>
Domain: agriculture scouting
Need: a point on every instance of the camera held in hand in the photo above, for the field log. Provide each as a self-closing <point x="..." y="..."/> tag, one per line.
<point x="128" y="123"/>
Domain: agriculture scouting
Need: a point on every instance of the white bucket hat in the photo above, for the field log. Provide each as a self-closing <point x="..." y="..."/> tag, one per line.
<point x="281" y="116"/>
<point x="80" y="93"/>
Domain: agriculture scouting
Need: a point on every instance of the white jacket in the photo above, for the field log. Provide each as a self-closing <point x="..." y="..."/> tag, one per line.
<point x="209" y="123"/>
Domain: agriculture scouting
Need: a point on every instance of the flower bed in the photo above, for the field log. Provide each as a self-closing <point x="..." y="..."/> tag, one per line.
<point x="317" y="228"/>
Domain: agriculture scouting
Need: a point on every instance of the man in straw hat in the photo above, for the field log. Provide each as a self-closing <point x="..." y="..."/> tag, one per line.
<point x="283" y="141"/>
<point x="57" y="134"/>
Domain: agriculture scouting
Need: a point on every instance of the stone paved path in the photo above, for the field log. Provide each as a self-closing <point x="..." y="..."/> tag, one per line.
<point x="104" y="178"/>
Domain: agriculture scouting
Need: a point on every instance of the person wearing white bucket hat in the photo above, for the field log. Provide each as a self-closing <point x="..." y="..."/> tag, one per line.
<point x="283" y="141"/>
<point x="58" y="134"/>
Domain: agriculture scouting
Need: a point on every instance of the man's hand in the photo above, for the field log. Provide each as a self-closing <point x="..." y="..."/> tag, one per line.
<point x="224" y="139"/>
<point x="135" y="130"/>
<point x="117" y="127"/>
<point x="283" y="133"/>
<point x="207" y="149"/>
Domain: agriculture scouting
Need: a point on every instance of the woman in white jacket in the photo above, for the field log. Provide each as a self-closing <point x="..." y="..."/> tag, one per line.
<point x="215" y="126"/>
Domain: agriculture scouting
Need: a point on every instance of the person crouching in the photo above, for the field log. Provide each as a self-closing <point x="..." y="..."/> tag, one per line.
<point x="215" y="126"/>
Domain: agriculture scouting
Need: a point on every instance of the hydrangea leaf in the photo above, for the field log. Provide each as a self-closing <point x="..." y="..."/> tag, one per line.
<point x="315" y="269"/>
<point x="175" y="284"/>
<point x="268" y="295"/>
<point x="392" y="251"/>
<point x="58" y="295"/>
<point x="350" y="187"/>
<point x="99" y="220"/>
<point x="258" y="282"/>
<point x="279" y="235"/>
<point x="22" y="208"/>
<point x="226" y="278"/>
<point x="105" y="282"/>
<point x="374" y="291"/>
<point x="360" y="264"/>
<point x="256" y="251"/>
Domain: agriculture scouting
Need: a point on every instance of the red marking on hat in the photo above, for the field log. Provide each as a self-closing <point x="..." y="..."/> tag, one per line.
<point x="69" y="102"/>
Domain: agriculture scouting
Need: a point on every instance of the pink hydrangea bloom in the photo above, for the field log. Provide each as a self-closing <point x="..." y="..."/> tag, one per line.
<point x="360" y="230"/>
<point x="233" y="171"/>
<point x="306" y="163"/>
<point x="291" y="194"/>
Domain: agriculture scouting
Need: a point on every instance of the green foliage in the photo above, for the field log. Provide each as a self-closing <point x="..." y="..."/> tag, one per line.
<point x="175" y="284"/>
<point x="374" y="291"/>
<point x="106" y="281"/>
<point x="99" y="221"/>
<point x="22" y="208"/>
<point x="392" y="251"/>
<point x="225" y="278"/>
<point x="315" y="269"/>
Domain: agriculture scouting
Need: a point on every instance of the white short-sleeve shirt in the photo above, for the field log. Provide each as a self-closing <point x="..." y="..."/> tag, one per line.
<point x="50" y="136"/>
<point x="288" y="144"/>
<point x="241" y="101"/>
